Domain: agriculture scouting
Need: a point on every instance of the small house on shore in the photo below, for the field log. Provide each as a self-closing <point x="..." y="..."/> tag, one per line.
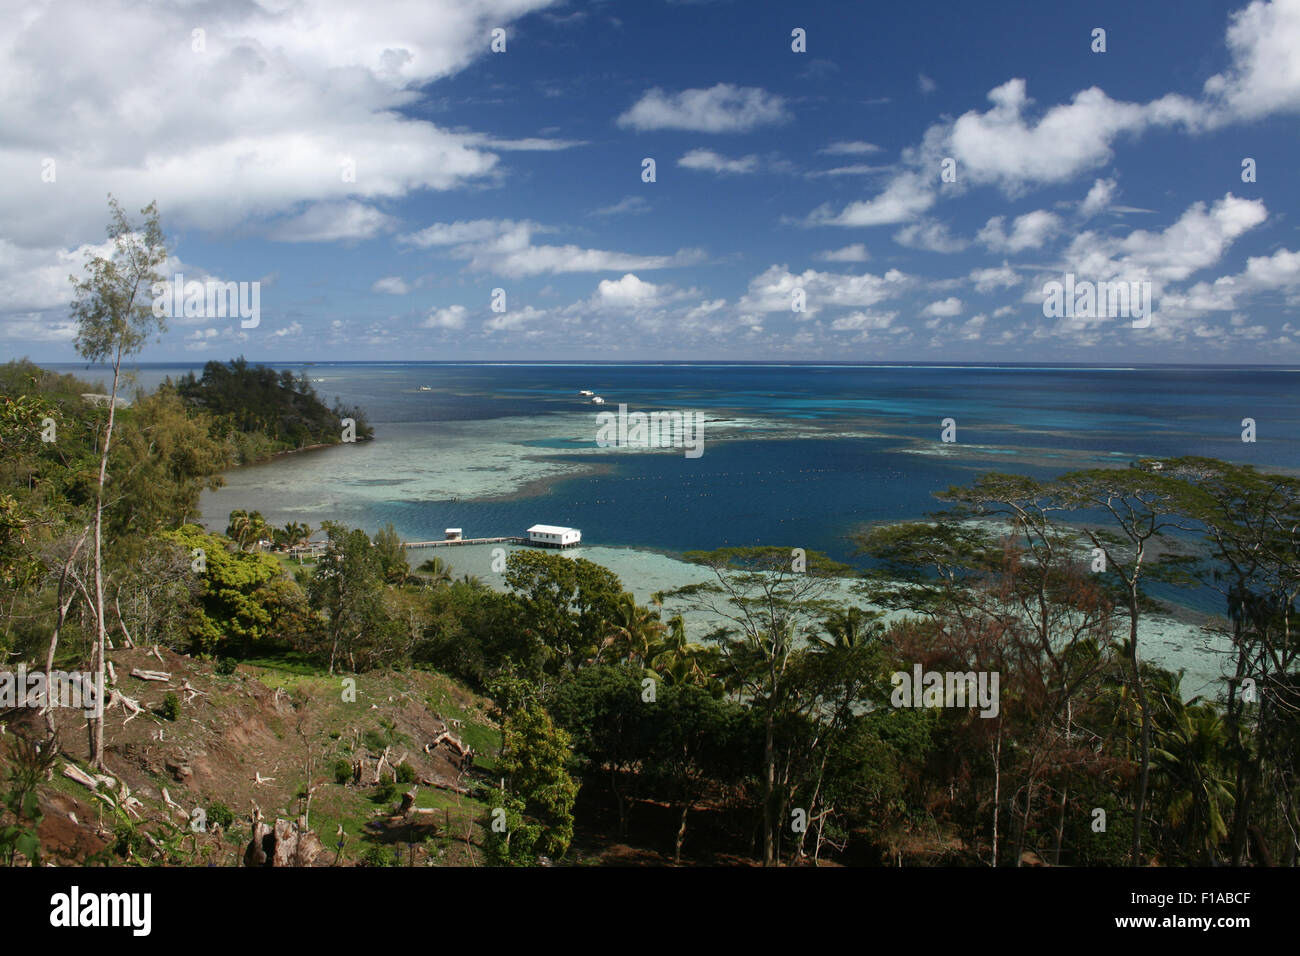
<point x="453" y="534"/>
<point x="553" y="536"/>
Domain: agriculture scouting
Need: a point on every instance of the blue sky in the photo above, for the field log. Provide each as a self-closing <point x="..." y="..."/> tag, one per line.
<point x="779" y="176"/>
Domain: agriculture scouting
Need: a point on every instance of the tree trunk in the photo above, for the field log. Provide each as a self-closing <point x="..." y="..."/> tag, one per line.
<point x="681" y="833"/>
<point x="121" y="622"/>
<point x="769" y="780"/>
<point x="618" y="800"/>
<point x="96" y="723"/>
<point x="1246" y="784"/>
<point x="1059" y="836"/>
<point x="812" y="804"/>
<point x="58" y="626"/>
<point x="1023" y="828"/>
<point x="821" y="829"/>
<point x="1139" y="802"/>
<point x="1236" y="707"/>
<point x="997" y="787"/>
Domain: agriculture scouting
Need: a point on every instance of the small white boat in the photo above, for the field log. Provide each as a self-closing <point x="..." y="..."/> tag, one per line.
<point x="598" y="401"/>
<point x="586" y="392"/>
<point x="425" y="388"/>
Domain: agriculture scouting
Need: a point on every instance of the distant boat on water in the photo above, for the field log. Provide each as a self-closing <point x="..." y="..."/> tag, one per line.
<point x="598" y="401"/>
<point x="587" y="392"/>
<point x="425" y="388"/>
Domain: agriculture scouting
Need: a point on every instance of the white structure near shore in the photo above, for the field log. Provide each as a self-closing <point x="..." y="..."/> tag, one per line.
<point x="553" y="536"/>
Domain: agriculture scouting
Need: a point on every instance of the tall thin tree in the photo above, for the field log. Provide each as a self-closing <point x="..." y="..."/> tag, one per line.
<point x="114" y="313"/>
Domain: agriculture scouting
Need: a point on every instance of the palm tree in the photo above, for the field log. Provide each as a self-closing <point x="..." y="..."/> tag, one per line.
<point x="1189" y="764"/>
<point x="247" y="528"/>
<point x="846" y="628"/>
<point x="634" y="632"/>
<point x="678" y="661"/>
<point x="437" y="572"/>
<point x="291" y="535"/>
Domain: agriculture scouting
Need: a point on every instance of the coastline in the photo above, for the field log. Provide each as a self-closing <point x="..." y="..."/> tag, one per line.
<point x="426" y="471"/>
<point x="293" y="451"/>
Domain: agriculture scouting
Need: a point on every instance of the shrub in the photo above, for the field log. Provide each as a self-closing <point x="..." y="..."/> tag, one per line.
<point x="342" y="771"/>
<point x="221" y="815"/>
<point x="226" y="666"/>
<point x="385" y="790"/>
<point x="376" y="855"/>
<point x="171" y="707"/>
<point x="405" y="773"/>
<point x="127" y="840"/>
<point x="517" y="845"/>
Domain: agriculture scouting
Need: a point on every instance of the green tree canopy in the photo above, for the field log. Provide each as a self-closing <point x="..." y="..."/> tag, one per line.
<point x="242" y="596"/>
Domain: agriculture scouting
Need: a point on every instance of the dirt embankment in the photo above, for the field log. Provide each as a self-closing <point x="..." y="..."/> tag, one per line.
<point x="337" y="753"/>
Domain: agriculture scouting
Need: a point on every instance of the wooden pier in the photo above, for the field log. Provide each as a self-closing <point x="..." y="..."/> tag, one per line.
<point x="540" y="536"/>
<point x="448" y="543"/>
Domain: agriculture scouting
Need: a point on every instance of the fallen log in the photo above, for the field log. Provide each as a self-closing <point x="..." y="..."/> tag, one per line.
<point x="130" y="705"/>
<point x="151" y="675"/>
<point x="91" y="781"/>
<point x="444" y="785"/>
<point x="167" y="799"/>
<point x="94" y="782"/>
<point x="447" y="737"/>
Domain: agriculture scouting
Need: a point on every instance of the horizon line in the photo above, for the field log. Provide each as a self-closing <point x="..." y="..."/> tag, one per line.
<point x="701" y="363"/>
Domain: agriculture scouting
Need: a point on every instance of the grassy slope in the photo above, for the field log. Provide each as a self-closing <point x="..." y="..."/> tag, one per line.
<point x="270" y="718"/>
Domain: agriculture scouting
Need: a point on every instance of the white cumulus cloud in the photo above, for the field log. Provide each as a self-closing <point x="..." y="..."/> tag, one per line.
<point x="709" y="161"/>
<point x="722" y="108"/>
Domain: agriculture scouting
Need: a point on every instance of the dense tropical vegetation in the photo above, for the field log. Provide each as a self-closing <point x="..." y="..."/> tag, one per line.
<point x="261" y="411"/>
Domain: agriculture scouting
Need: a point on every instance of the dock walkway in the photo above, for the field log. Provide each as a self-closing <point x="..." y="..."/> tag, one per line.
<point x="508" y="539"/>
<point x="315" y="548"/>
